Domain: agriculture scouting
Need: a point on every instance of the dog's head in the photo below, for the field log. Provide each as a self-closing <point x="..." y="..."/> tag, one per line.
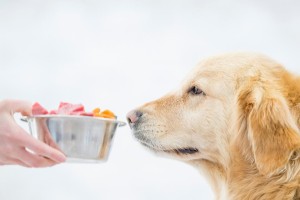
<point x="241" y="100"/>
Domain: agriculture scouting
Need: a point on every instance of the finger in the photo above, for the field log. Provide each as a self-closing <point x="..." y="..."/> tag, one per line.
<point x="12" y="161"/>
<point x="42" y="149"/>
<point x="23" y="164"/>
<point x="33" y="160"/>
<point x="21" y="106"/>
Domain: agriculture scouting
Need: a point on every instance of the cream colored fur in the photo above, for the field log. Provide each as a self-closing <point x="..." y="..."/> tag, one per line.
<point x="245" y="126"/>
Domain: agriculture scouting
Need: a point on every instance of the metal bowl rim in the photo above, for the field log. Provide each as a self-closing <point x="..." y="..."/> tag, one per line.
<point x="120" y="123"/>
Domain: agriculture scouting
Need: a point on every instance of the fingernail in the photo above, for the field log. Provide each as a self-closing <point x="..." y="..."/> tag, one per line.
<point x="61" y="158"/>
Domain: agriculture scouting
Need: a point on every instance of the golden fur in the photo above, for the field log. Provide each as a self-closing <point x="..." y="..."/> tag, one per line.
<point x="245" y="126"/>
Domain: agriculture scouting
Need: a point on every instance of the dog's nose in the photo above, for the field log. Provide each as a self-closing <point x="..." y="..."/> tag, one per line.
<point x="134" y="116"/>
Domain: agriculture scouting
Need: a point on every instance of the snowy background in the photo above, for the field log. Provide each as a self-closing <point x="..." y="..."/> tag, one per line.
<point x="119" y="55"/>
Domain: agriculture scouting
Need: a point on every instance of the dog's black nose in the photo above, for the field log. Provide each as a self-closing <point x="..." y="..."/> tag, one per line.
<point x="134" y="116"/>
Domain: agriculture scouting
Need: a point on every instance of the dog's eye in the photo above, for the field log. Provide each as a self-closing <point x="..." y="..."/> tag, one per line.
<point x="195" y="91"/>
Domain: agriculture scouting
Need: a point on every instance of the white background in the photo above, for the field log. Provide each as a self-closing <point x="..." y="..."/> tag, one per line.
<point x="118" y="55"/>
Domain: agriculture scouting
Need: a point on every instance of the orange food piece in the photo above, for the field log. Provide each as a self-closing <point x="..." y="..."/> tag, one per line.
<point x="96" y="110"/>
<point x="105" y="114"/>
<point x="96" y="115"/>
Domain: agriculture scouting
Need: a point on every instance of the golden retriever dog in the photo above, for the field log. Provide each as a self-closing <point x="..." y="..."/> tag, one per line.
<point x="236" y="118"/>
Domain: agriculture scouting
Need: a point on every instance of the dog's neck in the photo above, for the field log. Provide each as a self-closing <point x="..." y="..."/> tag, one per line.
<point x="215" y="174"/>
<point x="246" y="182"/>
<point x="241" y="180"/>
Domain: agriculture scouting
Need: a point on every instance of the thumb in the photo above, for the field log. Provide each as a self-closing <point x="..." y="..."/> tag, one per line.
<point x="13" y="106"/>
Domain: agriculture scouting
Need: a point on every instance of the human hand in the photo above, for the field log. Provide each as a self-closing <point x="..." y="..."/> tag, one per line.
<point x="14" y="141"/>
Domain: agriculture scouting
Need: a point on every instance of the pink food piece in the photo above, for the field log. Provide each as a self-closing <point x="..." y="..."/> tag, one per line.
<point x="89" y="114"/>
<point x="78" y="108"/>
<point x="68" y="109"/>
<point x="53" y="112"/>
<point x="75" y="113"/>
<point x="37" y="109"/>
<point x="62" y="104"/>
<point x="63" y="109"/>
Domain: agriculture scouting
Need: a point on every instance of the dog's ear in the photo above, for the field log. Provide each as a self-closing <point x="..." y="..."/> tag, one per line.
<point x="272" y="132"/>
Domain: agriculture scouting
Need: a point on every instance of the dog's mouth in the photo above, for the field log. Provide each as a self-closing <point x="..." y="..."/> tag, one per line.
<point x="189" y="150"/>
<point x="178" y="151"/>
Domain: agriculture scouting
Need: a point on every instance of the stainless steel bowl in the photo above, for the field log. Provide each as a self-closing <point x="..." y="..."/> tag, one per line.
<point x="80" y="138"/>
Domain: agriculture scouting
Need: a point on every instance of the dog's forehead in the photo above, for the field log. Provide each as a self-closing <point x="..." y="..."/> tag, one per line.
<point x="232" y="65"/>
<point x="214" y="69"/>
<point x="227" y="64"/>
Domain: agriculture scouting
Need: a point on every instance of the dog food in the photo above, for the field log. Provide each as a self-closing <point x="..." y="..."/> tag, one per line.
<point x="71" y="109"/>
